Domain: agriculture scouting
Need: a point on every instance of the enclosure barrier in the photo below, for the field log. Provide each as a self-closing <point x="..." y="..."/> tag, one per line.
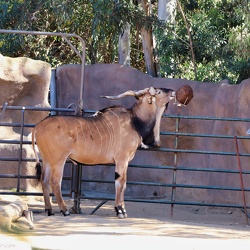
<point x="76" y="179"/>
<point x="19" y="158"/>
<point x="175" y="167"/>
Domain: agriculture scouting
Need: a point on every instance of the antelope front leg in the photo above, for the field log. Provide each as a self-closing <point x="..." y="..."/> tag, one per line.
<point x="120" y="187"/>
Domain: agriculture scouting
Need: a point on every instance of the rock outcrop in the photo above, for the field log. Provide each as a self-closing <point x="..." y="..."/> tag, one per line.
<point x="23" y="82"/>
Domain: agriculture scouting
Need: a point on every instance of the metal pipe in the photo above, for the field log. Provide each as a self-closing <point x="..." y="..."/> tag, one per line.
<point x="29" y="193"/>
<point x="74" y="187"/>
<point x="38" y="108"/>
<point x="164" y="116"/>
<point x="173" y="193"/>
<point x="196" y="151"/>
<point x="20" y="151"/>
<point x="162" y="201"/>
<point x="225" y="188"/>
<point x="53" y="91"/>
<point x="13" y="176"/>
<point x="77" y="190"/>
<point x="213" y="170"/>
<point x="72" y="178"/>
<point x="208" y="118"/>
<point x="3" y="110"/>
<point x="204" y="135"/>
<point x="241" y="179"/>
<point x="64" y="36"/>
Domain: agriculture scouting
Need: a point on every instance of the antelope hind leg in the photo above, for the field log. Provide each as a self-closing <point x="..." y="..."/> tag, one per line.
<point x="46" y="191"/>
<point x="56" y="187"/>
<point x="62" y="206"/>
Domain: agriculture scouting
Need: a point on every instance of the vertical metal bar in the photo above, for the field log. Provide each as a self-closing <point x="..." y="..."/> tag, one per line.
<point x="72" y="179"/>
<point x="74" y="187"/>
<point x="3" y="110"/>
<point x="53" y="91"/>
<point x="77" y="190"/>
<point x="80" y="102"/>
<point x="241" y="179"/>
<point x="20" y="152"/>
<point x="177" y="125"/>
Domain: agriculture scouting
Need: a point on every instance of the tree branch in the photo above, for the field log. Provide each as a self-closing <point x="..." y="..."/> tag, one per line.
<point x="190" y="39"/>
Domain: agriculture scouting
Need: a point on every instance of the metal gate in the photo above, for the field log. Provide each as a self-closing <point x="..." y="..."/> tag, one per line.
<point x="76" y="179"/>
<point x="174" y="185"/>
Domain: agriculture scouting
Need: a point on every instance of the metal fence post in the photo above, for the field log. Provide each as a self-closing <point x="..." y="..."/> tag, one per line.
<point x="241" y="179"/>
<point x="177" y="125"/>
<point x="77" y="189"/>
<point x="20" y="150"/>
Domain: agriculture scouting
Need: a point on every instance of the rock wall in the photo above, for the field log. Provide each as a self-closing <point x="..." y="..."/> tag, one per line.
<point x="23" y="82"/>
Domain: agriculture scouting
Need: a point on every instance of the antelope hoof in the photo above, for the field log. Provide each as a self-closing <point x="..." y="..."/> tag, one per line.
<point x="120" y="216"/>
<point x="157" y="144"/>
<point x="121" y="212"/>
<point x="49" y="212"/>
<point x="66" y="213"/>
<point x="125" y="215"/>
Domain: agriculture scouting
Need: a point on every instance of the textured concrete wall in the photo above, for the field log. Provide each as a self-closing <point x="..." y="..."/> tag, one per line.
<point x="25" y="82"/>
<point x="210" y="99"/>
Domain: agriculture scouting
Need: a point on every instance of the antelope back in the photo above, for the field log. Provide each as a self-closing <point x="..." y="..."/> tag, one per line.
<point x="100" y="139"/>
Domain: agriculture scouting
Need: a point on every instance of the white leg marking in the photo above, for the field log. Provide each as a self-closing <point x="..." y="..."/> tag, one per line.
<point x="144" y="145"/>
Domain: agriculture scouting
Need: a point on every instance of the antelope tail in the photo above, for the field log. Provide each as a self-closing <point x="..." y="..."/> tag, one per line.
<point x="38" y="164"/>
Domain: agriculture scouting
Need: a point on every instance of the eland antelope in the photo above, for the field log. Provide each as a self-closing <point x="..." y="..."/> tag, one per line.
<point x="111" y="135"/>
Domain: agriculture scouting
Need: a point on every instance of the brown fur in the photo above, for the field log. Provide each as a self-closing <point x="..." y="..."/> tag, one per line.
<point x="110" y="136"/>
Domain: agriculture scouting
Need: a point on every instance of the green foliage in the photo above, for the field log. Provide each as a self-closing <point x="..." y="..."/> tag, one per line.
<point x="220" y="38"/>
<point x="44" y="15"/>
<point x="219" y="32"/>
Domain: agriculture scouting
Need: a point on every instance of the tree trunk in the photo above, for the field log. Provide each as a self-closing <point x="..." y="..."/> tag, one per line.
<point x="124" y="46"/>
<point x="167" y="10"/>
<point x="190" y="39"/>
<point x="147" y="43"/>
<point x="166" y="13"/>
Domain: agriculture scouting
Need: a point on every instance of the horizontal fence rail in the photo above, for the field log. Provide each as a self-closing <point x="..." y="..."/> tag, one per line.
<point x="76" y="178"/>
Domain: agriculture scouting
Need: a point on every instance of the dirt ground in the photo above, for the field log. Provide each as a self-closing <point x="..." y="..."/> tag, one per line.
<point x="148" y="225"/>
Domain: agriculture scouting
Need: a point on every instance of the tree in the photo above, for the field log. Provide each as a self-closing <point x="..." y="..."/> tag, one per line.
<point x="124" y="46"/>
<point x="147" y="41"/>
<point x="219" y="32"/>
<point x="167" y="10"/>
<point x="210" y="24"/>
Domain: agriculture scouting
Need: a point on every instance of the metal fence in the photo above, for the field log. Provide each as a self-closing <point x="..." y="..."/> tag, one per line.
<point x="76" y="178"/>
